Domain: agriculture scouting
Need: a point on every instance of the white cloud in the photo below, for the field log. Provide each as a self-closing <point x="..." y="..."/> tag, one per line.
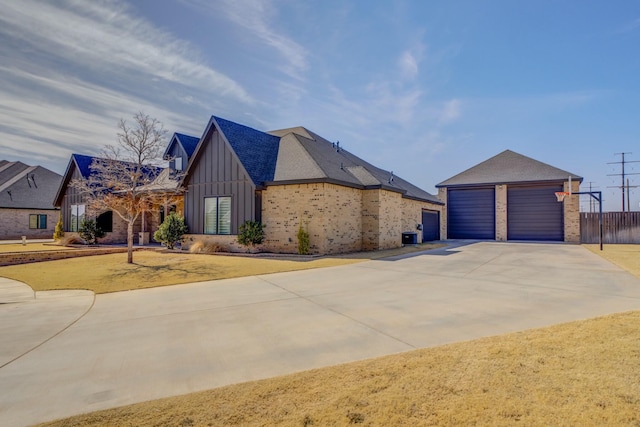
<point x="257" y="17"/>
<point x="82" y="117"/>
<point x="408" y="65"/>
<point x="105" y="37"/>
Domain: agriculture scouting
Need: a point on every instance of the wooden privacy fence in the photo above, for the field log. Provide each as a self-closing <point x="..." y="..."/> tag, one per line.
<point x="617" y="227"/>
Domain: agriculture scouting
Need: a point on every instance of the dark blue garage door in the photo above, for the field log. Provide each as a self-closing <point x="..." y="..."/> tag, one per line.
<point x="430" y="226"/>
<point x="533" y="213"/>
<point x="471" y="213"/>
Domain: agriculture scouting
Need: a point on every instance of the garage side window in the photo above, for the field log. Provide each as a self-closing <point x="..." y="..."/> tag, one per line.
<point x="37" y="221"/>
<point x="76" y="217"/>
<point x="217" y="215"/>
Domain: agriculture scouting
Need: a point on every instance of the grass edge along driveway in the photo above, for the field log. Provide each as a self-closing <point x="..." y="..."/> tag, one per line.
<point x="111" y="273"/>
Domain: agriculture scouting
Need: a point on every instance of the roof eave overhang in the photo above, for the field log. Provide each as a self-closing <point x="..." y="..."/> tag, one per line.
<point x="487" y="184"/>
<point x="346" y="184"/>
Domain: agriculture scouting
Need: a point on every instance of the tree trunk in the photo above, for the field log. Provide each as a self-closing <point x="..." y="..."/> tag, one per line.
<point x="130" y="242"/>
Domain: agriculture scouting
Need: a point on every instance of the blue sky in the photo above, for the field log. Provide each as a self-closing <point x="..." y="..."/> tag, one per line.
<point x="426" y="89"/>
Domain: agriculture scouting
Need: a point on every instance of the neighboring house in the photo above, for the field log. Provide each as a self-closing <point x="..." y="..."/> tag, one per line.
<point x="291" y="178"/>
<point x="26" y="201"/>
<point x="511" y="197"/>
<point x="74" y="210"/>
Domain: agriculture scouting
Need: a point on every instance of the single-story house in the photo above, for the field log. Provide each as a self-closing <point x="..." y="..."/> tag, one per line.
<point x="293" y="177"/>
<point x="26" y="201"/>
<point x="74" y="210"/>
<point x="511" y="197"/>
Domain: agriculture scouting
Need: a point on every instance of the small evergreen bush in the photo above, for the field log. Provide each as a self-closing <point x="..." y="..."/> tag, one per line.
<point x="251" y="233"/>
<point x="303" y="241"/>
<point x="90" y="232"/>
<point x="58" y="233"/>
<point x="171" y="230"/>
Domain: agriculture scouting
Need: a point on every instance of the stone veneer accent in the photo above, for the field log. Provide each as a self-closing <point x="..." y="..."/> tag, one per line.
<point x="501" y="212"/>
<point x="572" y="214"/>
<point x="14" y="223"/>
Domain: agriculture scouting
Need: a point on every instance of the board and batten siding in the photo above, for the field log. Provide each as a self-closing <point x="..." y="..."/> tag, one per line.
<point x="177" y="152"/>
<point x="217" y="172"/>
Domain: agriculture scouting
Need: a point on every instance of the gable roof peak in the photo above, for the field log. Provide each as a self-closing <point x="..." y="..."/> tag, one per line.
<point x="508" y="167"/>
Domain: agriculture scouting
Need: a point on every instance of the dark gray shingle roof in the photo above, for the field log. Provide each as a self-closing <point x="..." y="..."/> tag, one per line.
<point x="258" y="151"/>
<point x="509" y="167"/>
<point x="27" y="187"/>
<point x="305" y="155"/>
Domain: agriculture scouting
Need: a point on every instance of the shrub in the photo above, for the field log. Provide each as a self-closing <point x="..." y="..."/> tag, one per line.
<point x="251" y="233"/>
<point x="205" y="247"/>
<point x="171" y="230"/>
<point x="58" y="233"/>
<point x="303" y="241"/>
<point x="90" y="231"/>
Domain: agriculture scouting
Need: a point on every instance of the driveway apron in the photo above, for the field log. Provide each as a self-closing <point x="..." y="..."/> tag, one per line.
<point x="141" y="345"/>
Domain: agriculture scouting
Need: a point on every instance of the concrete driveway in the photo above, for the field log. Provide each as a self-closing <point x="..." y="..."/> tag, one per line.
<point x="134" y="346"/>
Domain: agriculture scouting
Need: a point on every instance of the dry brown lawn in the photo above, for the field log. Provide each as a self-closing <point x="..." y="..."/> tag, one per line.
<point x="583" y="373"/>
<point x="31" y="247"/>
<point x="111" y="273"/>
<point x="624" y="256"/>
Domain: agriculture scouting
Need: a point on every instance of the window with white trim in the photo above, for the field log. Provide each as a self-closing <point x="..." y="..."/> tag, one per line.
<point x="217" y="215"/>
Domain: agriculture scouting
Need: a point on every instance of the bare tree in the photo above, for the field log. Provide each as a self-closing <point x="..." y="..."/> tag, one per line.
<point x="122" y="179"/>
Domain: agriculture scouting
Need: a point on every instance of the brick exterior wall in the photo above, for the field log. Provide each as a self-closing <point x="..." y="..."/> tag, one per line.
<point x="442" y="196"/>
<point x="14" y="223"/>
<point x="501" y="212"/>
<point x="572" y="214"/>
<point x="339" y="219"/>
<point x="412" y="215"/>
<point x="331" y="213"/>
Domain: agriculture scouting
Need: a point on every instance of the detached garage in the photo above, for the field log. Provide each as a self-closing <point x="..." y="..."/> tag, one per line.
<point x="510" y="197"/>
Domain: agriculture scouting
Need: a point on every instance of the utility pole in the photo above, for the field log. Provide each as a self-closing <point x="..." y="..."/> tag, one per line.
<point x="625" y="181"/>
<point x="592" y="201"/>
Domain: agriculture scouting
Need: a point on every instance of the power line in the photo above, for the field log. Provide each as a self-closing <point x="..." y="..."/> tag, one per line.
<point x="625" y="182"/>
<point x="591" y="200"/>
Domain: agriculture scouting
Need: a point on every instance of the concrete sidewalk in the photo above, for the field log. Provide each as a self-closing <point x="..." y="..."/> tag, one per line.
<point x="141" y="345"/>
<point x="28" y="319"/>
